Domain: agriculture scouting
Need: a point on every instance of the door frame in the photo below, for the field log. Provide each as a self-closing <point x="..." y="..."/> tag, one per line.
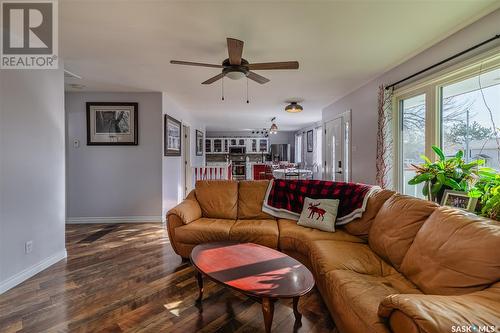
<point x="346" y="126"/>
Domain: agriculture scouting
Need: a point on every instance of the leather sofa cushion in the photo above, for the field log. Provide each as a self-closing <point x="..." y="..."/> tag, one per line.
<point x="218" y="198"/>
<point x="297" y="238"/>
<point x="251" y="196"/>
<point x="355" y="298"/>
<point x="361" y="226"/>
<point x="438" y="313"/>
<point x="328" y="255"/>
<point x="396" y="224"/>
<point x="455" y="252"/>
<point x="204" y="230"/>
<point x="263" y="232"/>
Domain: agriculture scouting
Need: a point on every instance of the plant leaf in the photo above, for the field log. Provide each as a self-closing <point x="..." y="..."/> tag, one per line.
<point x="438" y="152"/>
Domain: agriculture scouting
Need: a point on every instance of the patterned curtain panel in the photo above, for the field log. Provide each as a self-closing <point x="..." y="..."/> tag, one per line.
<point x="385" y="139"/>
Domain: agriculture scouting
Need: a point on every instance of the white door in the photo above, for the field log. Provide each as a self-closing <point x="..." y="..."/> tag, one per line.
<point x="186" y="158"/>
<point x="337" y="148"/>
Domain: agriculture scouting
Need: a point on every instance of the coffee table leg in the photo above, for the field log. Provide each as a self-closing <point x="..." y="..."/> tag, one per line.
<point x="298" y="315"/>
<point x="199" y="277"/>
<point x="268" y="311"/>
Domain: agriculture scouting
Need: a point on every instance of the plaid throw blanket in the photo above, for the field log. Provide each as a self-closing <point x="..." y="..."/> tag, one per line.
<point x="285" y="198"/>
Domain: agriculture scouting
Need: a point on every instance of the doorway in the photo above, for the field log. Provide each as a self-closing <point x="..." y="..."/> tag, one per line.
<point x="186" y="161"/>
<point x="338" y="148"/>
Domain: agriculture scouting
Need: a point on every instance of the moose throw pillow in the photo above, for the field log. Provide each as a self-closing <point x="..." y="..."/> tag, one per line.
<point x="319" y="214"/>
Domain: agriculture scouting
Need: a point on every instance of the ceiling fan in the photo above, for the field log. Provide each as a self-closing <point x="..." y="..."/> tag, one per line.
<point x="235" y="67"/>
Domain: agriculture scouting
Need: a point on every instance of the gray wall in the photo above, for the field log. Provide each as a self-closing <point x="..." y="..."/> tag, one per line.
<point x="172" y="165"/>
<point x="32" y="203"/>
<point x="363" y="101"/>
<point x="114" y="181"/>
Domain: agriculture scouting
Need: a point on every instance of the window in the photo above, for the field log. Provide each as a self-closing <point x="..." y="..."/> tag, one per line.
<point x="470" y="118"/>
<point x="412" y="143"/>
<point x="457" y="109"/>
<point x="298" y="148"/>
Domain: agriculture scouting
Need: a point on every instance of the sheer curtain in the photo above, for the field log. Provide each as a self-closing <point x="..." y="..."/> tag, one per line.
<point x="384" y="139"/>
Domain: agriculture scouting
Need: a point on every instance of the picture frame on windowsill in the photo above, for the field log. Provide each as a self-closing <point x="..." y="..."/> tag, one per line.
<point x="460" y="200"/>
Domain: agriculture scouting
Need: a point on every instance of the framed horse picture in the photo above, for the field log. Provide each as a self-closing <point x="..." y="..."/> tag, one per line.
<point x="112" y="124"/>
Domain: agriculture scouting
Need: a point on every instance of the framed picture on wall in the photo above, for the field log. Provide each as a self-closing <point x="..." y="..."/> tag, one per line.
<point x="172" y="139"/>
<point x="112" y="124"/>
<point x="310" y="143"/>
<point x="199" y="143"/>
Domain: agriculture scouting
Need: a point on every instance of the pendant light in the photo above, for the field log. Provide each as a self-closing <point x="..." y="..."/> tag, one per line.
<point x="274" y="128"/>
<point x="294" y="107"/>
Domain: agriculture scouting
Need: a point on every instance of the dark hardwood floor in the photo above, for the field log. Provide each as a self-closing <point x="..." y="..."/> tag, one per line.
<point x="127" y="278"/>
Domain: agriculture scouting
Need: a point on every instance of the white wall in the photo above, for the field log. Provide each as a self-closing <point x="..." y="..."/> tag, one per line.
<point x="123" y="182"/>
<point x="172" y="165"/>
<point x="309" y="157"/>
<point x="363" y="101"/>
<point x="32" y="181"/>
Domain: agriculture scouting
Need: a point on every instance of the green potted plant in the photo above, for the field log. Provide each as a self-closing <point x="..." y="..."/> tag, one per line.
<point x="487" y="189"/>
<point x="446" y="173"/>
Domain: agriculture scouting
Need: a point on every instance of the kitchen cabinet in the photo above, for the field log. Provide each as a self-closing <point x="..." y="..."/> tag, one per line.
<point x="208" y="145"/>
<point x="217" y="144"/>
<point x="222" y="145"/>
<point x="263" y="145"/>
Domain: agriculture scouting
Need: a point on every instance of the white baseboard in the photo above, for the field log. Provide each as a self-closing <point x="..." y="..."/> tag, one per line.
<point x="115" y="219"/>
<point x="30" y="271"/>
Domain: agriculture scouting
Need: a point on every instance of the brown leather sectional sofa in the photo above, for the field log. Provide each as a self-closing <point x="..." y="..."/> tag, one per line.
<point x="407" y="265"/>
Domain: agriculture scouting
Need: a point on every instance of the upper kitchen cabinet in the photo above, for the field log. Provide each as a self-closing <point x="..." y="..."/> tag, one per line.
<point x="208" y="146"/>
<point x="222" y="145"/>
<point x="217" y="143"/>
<point x="263" y="145"/>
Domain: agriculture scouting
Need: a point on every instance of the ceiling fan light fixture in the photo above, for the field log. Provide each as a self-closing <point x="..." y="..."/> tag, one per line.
<point x="235" y="75"/>
<point x="294" y="107"/>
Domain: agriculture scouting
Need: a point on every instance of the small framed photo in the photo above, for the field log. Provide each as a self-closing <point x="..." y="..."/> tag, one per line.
<point x="199" y="143"/>
<point x="172" y="139"/>
<point x="310" y="143"/>
<point x="459" y="200"/>
<point x="112" y="124"/>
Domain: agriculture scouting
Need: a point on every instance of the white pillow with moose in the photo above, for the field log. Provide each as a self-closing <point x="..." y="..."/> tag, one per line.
<point x="319" y="214"/>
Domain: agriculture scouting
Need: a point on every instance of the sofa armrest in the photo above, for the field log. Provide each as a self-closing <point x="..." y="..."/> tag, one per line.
<point x="440" y="313"/>
<point x="188" y="211"/>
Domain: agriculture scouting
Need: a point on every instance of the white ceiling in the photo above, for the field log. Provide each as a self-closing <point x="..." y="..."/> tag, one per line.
<point x="127" y="46"/>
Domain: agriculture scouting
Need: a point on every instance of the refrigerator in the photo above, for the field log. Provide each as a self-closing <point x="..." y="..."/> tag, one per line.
<point x="280" y="152"/>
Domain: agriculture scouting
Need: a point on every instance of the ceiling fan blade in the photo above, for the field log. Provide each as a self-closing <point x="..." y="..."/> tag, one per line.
<point x="213" y="79"/>
<point x="235" y="50"/>
<point x="189" y="63"/>
<point x="274" y="65"/>
<point x="257" y="78"/>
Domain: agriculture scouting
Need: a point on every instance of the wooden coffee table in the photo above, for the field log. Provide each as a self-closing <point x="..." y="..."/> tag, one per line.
<point x="259" y="272"/>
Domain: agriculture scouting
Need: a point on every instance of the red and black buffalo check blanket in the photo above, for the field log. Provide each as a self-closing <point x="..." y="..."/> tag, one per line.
<point x="285" y="198"/>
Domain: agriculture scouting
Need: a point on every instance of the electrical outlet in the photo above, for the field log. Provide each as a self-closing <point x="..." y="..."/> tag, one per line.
<point x="28" y="247"/>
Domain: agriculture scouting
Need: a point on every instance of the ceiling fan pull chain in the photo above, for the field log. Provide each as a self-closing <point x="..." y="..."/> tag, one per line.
<point x="222" y="88"/>
<point x="247" y="92"/>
